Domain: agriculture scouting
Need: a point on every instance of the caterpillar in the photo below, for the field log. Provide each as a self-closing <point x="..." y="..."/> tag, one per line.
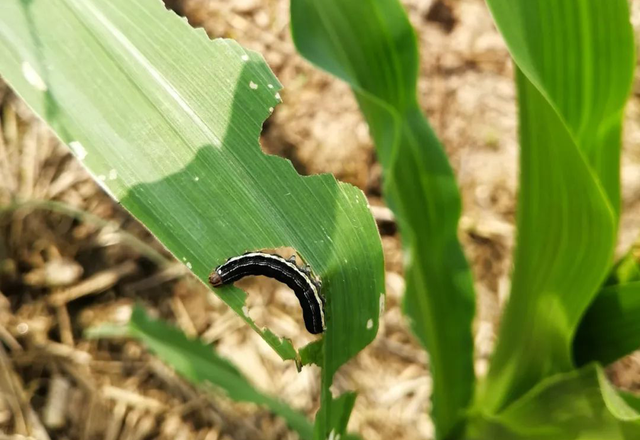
<point x="306" y="287"/>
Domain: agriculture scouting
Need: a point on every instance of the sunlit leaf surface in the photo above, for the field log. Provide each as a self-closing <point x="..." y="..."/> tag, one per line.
<point x="371" y="45"/>
<point x="168" y="122"/>
<point x="579" y="405"/>
<point x="575" y="64"/>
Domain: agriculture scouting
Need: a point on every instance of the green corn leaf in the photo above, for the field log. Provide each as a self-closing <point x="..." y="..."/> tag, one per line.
<point x="627" y="269"/>
<point x="168" y="123"/>
<point x="611" y="327"/>
<point x="336" y="416"/>
<point x="200" y="364"/>
<point x="580" y="55"/>
<point x="633" y="400"/>
<point x="371" y="45"/>
<point x="579" y="405"/>
<point x="571" y="104"/>
<point x="565" y="242"/>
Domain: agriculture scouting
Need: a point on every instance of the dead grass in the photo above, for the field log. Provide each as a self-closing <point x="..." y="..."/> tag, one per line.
<point x="63" y="270"/>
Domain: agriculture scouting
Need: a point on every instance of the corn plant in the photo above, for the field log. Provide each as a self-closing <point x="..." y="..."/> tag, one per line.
<point x="167" y="121"/>
<point x="574" y="64"/>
